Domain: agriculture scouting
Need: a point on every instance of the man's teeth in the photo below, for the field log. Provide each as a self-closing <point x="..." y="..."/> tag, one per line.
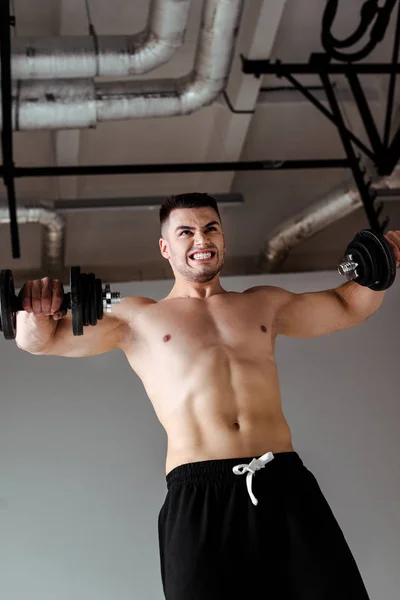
<point x="202" y="256"/>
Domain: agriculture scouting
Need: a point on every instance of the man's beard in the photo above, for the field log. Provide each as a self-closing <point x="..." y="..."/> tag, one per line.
<point x="200" y="274"/>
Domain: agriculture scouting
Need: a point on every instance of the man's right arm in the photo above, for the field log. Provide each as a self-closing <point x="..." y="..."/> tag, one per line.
<point x="42" y="335"/>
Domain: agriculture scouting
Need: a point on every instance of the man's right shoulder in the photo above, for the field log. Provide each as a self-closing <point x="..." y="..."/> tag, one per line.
<point x="133" y="304"/>
<point x="130" y="307"/>
<point x="127" y="313"/>
<point x="138" y="301"/>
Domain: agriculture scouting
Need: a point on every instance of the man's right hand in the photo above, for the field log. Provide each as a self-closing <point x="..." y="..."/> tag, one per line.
<point x="43" y="297"/>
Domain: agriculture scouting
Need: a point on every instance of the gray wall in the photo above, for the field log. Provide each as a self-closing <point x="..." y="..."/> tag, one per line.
<point x="82" y="456"/>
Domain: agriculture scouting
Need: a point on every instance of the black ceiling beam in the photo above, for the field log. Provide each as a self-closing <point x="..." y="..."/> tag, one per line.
<point x="265" y="67"/>
<point x="392" y="84"/>
<point x="6" y="133"/>
<point x="366" y="114"/>
<point x="367" y="195"/>
<point x="255" y="165"/>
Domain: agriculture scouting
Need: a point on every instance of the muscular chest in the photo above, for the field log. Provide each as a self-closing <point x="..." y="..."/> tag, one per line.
<point x="187" y="326"/>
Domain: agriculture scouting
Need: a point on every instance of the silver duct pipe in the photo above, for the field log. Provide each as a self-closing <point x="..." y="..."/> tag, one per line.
<point x="53" y="238"/>
<point x="106" y="55"/>
<point x="82" y="103"/>
<point x="303" y="226"/>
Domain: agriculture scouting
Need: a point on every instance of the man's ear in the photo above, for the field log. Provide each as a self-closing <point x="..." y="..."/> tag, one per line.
<point x="164" y="248"/>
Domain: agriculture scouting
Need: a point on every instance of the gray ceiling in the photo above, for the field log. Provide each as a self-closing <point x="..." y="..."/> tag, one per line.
<point x="122" y="245"/>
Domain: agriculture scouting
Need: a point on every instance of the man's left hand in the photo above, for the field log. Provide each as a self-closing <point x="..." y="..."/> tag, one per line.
<point x="393" y="237"/>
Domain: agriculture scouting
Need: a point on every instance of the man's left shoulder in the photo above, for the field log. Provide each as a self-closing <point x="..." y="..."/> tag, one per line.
<point x="271" y="296"/>
<point x="263" y="290"/>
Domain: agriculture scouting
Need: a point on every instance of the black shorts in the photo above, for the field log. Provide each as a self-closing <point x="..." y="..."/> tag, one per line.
<point x="263" y="530"/>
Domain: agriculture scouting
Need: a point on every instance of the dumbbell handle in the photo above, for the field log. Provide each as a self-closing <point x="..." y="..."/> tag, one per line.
<point x="109" y="298"/>
<point x="16" y="303"/>
<point x="348" y="268"/>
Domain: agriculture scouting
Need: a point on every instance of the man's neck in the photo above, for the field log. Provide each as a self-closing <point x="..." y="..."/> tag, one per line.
<point x="196" y="291"/>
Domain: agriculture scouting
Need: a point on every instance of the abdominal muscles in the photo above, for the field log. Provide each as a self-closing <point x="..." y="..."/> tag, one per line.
<point x="218" y="404"/>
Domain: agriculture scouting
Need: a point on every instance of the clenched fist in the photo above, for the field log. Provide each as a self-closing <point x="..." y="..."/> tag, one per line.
<point x="43" y="297"/>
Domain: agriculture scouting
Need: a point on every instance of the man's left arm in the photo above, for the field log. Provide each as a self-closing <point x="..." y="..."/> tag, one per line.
<point x="316" y="314"/>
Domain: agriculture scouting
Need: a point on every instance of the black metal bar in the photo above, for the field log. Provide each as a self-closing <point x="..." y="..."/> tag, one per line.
<point x="353" y="161"/>
<point x="324" y="111"/>
<point x="6" y="133"/>
<point x="233" y="110"/>
<point x="259" y="165"/>
<point x="365" y="112"/>
<point x="329" y="41"/>
<point x="394" y="156"/>
<point x="289" y="88"/>
<point x="392" y="85"/>
<point x="265" y="67"/>
<point x="369" y="12"/>
<point x="389" y="193"/>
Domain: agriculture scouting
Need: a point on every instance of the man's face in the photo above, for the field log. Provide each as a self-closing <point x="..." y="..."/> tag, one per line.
<point x="190" y="230"/>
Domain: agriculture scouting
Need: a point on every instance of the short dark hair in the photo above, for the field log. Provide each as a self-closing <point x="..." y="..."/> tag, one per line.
<point x="194" y="200"/>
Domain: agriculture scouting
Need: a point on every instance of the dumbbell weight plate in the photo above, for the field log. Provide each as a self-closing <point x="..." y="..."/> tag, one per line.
<point x="92" y="299"/>
<point x="76" y="301"/>
<point x="84" y="297"/>
<point x="7" y="316"/>
<point x="88" y="289"/>
<point x="383" y="273"/>
<point x="390" y="265"/>
<point x="99" y="299"/>
<point x="362" y="255"/>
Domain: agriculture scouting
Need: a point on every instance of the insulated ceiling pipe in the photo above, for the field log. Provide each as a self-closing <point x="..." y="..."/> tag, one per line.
<point x="104" y="55"/>
<point x="78" y="104"/>
<point x="315" y="218"/>
<point x="53" y="234"/>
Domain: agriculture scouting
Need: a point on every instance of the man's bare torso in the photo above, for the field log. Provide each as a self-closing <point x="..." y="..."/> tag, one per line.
<point x="209" y="369"/>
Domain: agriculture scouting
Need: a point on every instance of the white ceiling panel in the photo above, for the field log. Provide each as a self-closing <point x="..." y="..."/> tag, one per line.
<point x="41" y="18"/>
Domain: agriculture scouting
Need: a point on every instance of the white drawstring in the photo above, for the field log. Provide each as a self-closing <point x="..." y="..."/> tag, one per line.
<point x="255" y="465"/>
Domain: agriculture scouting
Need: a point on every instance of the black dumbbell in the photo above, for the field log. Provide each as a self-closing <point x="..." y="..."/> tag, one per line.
<point x="86" y="300"/>
<point x="370" y="261"/>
